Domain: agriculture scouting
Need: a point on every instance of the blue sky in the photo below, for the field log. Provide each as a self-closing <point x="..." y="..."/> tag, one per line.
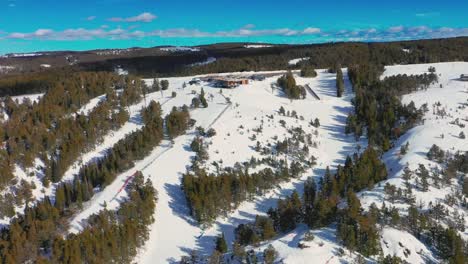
<point x="33" y="25"/>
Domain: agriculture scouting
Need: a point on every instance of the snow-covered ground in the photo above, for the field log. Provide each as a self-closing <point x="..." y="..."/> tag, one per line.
<point x="399" y="243"/>
<point x="453" y="98"/>
<point x="257" y="46"/>
<point x="296" y="61"/>
<point x="6" y="68"/>
<point x="32" y="97"/>
<point x="207" y="61"/>
<point x="175" y="233"/>
<point x="179" y="49"/>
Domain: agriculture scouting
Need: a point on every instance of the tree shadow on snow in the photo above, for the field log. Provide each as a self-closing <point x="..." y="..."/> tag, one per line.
<point x="326" y="87"/>
<point x="178" y="203"/>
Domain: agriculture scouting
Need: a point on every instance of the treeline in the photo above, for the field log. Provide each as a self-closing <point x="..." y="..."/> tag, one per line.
<point x="51" y="130"/>
<point x="377" y="104"/>
<point x="340" y="86"/>
<point x="120" y="158"/>
<point x="428" y="226"/>
<point x="323" y="56"/>
<point x="211" y="195"/>
<point x="83" y="132"/>
<point x="319" y="207"/>
<point x="110" y="237"/>
<point x="234" y="57"/>
<point x="29" y="83"/>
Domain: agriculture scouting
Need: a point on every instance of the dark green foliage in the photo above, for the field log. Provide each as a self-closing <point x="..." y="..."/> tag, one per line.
<point x="110" y="237"/>
<point x="221" y="245"/>
<point x="202" y="98"/>
<point x="264" y="227"/>
<point x="357" y="231"/>
<point x="287" y="214"/>
<point x="339" y="83"/>
<point x="450" y="245"/>
<point x="156" y="86"/>
<point x="246" y="235"/>
<point x="164" y="85"/>
<point x="308" y="71"/>
<point x="210" y="195"/>
<point x="52" y="130"/>
<point x="465" y="186"/>
<point x="391" y="260"/>
<point x="269" y="255"/>
<point x="377" y="104"/>
<point x="404" y="148"/>
<point x="177" y="122"/>
<point x="288" y="84"/>
<point x="319" y="208"/>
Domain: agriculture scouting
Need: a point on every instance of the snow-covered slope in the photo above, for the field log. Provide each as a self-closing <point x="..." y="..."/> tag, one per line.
<point x="235" y="114"/>
<point x="175" y="233"/>
<point x="435" y="130"/>
<point x="450" y="96"/>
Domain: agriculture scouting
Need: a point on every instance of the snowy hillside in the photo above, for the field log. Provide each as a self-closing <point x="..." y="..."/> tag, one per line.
<point x="234" y="125"/>
<point x="245" y="123"/>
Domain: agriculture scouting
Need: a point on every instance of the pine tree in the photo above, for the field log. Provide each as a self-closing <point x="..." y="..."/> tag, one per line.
<point x="270" y="255"/>
<point x="339" y="83"/>
<point x="221" y="245"/>
<point x="202" y="98"/>
<point x="164" y="85"/>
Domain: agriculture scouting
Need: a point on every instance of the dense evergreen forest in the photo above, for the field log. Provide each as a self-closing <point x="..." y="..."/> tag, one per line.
<point x="54" y="130"/>
<point x="40" y="235"/>
<point x="377" y="104"/>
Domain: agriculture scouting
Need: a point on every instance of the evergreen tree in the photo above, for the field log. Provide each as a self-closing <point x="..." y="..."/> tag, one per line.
<point x="164" y="85"/>
<point x="339" y="83"/>
<point x="221" y="245"/>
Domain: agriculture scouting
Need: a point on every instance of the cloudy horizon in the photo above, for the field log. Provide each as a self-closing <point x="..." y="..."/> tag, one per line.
<point x="122" y="24"/>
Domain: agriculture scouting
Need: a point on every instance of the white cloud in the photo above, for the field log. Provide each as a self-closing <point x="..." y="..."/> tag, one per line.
<point x="370" y="34"/>
<point x="91" y="18"/>
<point x="395" y="29"/>
<point x="143" y="17"/>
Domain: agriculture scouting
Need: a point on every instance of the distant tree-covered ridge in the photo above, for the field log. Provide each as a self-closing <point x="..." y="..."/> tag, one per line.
<point x="233" y="57"/>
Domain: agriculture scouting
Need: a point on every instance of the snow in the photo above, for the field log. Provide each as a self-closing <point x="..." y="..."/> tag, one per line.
<point x="323" y="248"/>
<point x="207" y="61"/>
<point x="19" y="55"/>
<point x="121" y="71"/>
<point x="452" y="96"/>
<point x="108" y="52"/>
<point x="395" y="242"/>
<point x="172" y="210"/>
<point x="6" y="68"/>
<point x="87" y="108"/>
<point x="257" y="46"/>
<point x="32" y="97"/>
<point x="175" y="233"/>
<point x="296" y="61"/>
<point x="180" y="49"/>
